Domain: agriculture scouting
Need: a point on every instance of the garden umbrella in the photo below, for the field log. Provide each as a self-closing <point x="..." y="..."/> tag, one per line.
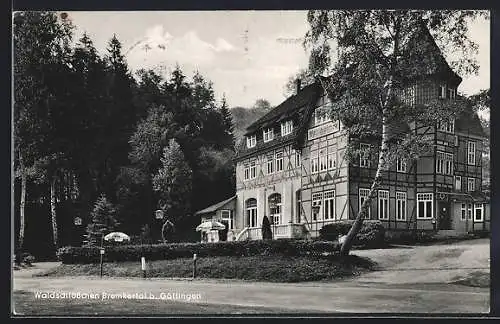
<point x="117" y="237"/>
<point x="210" y="225"/>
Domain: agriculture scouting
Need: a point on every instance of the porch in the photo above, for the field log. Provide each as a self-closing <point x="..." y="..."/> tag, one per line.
<point x="290" y="230"/>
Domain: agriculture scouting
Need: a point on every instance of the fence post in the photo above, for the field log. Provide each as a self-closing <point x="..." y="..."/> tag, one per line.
<point x="194" y="265"/>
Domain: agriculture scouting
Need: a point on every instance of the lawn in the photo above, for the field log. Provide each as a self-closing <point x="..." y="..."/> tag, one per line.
<point x="25" y="303"/>
<point x="257" y="268"/>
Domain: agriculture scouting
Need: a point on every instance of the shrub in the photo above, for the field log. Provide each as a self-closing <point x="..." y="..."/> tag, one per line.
<point x="28" y="259"/>
<point x="371" y="233"/>
<point x="285" y="247"/>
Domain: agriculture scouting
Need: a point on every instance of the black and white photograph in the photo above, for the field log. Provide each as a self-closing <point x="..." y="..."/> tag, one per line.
<point x="233" y="163"/>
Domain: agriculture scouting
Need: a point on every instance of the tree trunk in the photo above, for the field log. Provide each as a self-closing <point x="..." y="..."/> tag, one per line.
<point x="53" y="209"/>
<point x="21" y="216"/>
<point x="381" y="166"/>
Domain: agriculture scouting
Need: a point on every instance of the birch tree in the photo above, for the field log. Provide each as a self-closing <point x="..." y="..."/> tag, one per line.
<point x="366" y="59"/>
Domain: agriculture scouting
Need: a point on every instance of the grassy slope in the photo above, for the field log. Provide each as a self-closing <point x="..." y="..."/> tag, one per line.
<point x="263" y="268"/>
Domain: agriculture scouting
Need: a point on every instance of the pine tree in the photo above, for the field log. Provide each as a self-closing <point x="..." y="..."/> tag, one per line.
<point x="227" y="123"/>
<point x="103" y="221"/>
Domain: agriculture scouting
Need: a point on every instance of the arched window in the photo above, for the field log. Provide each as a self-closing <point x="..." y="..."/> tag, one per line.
<point x="251" y="212"/>
<point x="275" y="208"/>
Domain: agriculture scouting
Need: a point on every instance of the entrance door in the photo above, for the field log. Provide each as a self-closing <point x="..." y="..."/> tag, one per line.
<point x="444" y="215"/>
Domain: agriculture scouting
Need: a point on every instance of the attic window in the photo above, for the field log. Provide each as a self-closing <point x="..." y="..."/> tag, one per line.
<point x="268" y="135"/>
<point x="251" y="141"/>
<point x="320" y="116"/>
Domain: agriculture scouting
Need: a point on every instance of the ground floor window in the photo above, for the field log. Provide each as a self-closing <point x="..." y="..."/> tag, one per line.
<point x="363" y="195"/>
<point x="298" y="198"/>
<point x="329" y="198"/>
<point x="275" y="209"/>
<point x="463" y="212"/>
<point x="227" y="217"/>
<point x="478" y="212"/>
<point x="425" y="205"/>
<point x="383" y="204"/>
<point x="401" y="206"/>
<point x="251" y="212"/>
<point x="316" y="202"/>
<point x="469" y="211"/>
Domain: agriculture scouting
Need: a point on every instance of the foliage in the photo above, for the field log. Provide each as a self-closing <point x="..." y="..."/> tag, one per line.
<point x="173" y="183"/>
<point x="285" y="247"/>
<point x="306" y="78"/>
<point x="103" y="221"/>
<point x="371" y="234"/>
<point x="267" y="233"/>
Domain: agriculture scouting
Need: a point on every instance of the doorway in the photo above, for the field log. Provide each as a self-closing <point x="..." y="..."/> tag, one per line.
<point x="444" y="215"/>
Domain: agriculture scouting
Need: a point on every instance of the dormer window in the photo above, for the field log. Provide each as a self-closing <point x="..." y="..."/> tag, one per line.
<point x="286" y="127"/>
<point x="251" y="141"/>
<point x="446" y="126"/>
<point x="268" y="135"/>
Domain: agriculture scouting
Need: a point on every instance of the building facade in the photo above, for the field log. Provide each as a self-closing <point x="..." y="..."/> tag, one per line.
<point x="292" y="169"/>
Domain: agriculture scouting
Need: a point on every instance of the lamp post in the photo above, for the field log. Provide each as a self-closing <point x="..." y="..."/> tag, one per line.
<point x="315" y="209"/>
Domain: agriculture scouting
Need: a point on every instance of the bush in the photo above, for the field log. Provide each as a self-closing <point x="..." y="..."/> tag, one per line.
<point x="285" y="247"/>
<point x="28" y="259"/>
<point x="371" y="233"/>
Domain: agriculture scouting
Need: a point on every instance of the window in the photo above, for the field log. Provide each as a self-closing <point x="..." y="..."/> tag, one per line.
<point x="478" y="212"/>
<point x="425" y="205"/>
<point x="444" y="163"/>
<point x="332" y="159"/>
<point x="451" y="93"/>
<point x="268" y="135"/>
<point x="270" y="163"/>
<point x="286" y="127"/>
<point x="298" y="207"/>
<point x="364" y="155"/>
<point x="471" y="153"/>
<point x="469" y="211"/>
<point x="314" y="163"/>
<point x="275" y="209"/>
<point x="401" y="206"/>
<point x="247" y="172"/>
<point x="329" y="212"/>
<point x="322" y="160"/>
<point x="320" y="116"/>
<point x="253" y="170"/>
<point x="279" y="161"/>
<point x="227" y="217"/>
<point x="298" y="158"/>
<point x="363" y="195"/>
<point x="383" y="204"/>
<point x="251" y="212"/>
<point x="316" y="201"/>
<point x="251" y="141"/>
<point x="400" y="165"/>
<point x="458" y="183"/>
<point x="446" y="126"/>
<point x="442" y="91"/>
<point x="471" y="184"/>
<point x="463" y="212"/>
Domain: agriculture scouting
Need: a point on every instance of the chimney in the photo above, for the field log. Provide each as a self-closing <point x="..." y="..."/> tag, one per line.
<point x="297" y="82"/>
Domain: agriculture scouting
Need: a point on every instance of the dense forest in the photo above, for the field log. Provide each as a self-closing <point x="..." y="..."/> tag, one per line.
<point x="91" y="135"/>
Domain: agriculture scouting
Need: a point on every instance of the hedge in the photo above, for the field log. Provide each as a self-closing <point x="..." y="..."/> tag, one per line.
<point x="371" y="234"/>
<point x="284" y="247"/>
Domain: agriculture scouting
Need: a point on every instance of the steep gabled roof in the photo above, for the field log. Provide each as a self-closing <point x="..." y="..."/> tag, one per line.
<point x="421" y="54"/>
<point x="288" y="108"/>
<point x="468" y="122"/>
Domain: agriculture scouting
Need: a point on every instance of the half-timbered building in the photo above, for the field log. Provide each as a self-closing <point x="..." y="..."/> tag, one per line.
<point x="292" y="168"/>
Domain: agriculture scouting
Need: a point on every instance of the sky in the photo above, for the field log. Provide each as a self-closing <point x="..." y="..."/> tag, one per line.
<point x="247" y="55"/>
